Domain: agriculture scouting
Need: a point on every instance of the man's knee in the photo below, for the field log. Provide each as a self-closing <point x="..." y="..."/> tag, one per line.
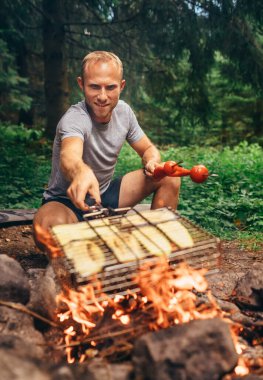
<point x="46" y="221"/>
<point x="171" y="183"/>
<point x="48" y="216"/>
<point x="175" y="182"/>
<point x="54" y="213"/>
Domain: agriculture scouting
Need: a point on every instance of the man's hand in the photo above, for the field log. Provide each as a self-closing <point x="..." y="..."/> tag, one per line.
<point x="149" y="167"/>
<point x="82" y="184"/>
<point x="150" y="155"/>
<point x="81" y="177"/>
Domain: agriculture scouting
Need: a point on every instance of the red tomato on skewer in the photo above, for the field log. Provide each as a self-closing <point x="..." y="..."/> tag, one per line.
<point x="199" y="173"/>
<point x="169" y="167"/>
<point x="159" y="172"/>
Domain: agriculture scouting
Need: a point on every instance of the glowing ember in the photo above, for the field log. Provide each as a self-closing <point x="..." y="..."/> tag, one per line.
<point x="125" y="319"/>
<point x="241" y="369"/>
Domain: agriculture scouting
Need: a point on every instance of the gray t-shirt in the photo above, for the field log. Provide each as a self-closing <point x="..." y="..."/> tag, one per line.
<point x="102" y="143"/>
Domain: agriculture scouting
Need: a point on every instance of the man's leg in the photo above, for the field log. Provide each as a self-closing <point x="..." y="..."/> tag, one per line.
<point x="52" y="214"/>
<point x="135" y="186"/>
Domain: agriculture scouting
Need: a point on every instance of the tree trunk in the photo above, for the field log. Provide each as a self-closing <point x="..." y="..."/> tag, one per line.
<point x="55" y="64"/>
<point x="258" y="118"/>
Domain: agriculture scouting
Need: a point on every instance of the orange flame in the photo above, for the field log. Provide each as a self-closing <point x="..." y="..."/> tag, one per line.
<point x="170" y="292"/>
<point x="45" y="238"/>
<point x="167" y="291"/>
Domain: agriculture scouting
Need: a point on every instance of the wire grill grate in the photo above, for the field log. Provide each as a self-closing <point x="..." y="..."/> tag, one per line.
<point x="89" y="242"/>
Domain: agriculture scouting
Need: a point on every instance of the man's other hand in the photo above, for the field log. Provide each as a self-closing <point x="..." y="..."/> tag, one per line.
<point x="149" y="167"/>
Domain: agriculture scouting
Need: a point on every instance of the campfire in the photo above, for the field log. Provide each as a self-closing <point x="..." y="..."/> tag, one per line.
<point x="93" y="322"/>
<point x="104" y="317"/>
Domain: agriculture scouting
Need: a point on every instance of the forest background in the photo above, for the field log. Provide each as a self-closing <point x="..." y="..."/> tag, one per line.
<point x="194" y="72"/>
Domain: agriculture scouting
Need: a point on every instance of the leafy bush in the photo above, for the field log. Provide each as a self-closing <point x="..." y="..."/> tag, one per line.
<point x="24" y="167"/>
<point x="11" y="133"/>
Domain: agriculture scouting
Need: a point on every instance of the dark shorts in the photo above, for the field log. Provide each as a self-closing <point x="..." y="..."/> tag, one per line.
<point x="110" y="198"/>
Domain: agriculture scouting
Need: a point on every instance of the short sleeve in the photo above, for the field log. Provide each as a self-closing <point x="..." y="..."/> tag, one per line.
<point x="135" y="132"/>
<point x="74" y="124"/>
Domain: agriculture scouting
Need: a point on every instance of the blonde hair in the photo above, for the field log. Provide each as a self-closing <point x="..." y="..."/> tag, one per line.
<point x="103" y="56"/>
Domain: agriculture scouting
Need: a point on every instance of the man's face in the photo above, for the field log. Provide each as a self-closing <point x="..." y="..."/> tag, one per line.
<point x="102" y="85"/>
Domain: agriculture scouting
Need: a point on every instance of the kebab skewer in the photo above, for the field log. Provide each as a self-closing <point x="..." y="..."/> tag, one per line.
<point x="198" y="173"/>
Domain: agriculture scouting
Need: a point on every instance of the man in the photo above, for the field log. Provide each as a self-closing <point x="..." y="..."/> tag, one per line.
<point x="88" y="140"/>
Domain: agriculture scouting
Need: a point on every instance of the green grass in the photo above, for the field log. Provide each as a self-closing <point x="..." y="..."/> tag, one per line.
<point x="229" y="205"/>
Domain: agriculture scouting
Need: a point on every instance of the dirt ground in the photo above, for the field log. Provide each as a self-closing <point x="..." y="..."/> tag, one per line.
<point x="17" y="242"/>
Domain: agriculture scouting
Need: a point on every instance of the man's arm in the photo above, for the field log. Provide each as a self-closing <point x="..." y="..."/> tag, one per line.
<point x="149" y="153"/>
<point x="81" y="177"/>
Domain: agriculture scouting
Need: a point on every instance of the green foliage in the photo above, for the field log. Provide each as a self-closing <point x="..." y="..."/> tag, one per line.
<point x="24" y="167"/>
<point x="128" y="160"/>
<point x="235" y="107"/>
<point x="179" y="87"/>
<point x="172" y="107"/>
<point x="13" y="88"/>
<point x="12" y="133"/>
<point x="175" y="108"/>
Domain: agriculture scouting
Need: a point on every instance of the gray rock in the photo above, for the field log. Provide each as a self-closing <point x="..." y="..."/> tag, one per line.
<point x="14" y="285"/>
<point x="249" y="289"/>
<point x="43" y="292"/>
<point x="63" y="373"/>
<point x="201" y="349"/>
<point x="13" y="367"/>
<point x="222" y="284"/>
<point x="227" y="306"/>
<point x="19" y="347"/>
<point x="20" y="326"/>
<point x="99" y="369"/>
<point x="123" y="371"/>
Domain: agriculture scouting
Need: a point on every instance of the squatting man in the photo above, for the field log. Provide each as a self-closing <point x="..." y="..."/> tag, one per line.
<point x="88" y="140"/>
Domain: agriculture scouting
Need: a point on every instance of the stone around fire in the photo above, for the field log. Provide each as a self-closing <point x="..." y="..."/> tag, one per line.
<point x="249" y="290"/>
<point x="14" y="286"/>
<point x="201" y="349"/>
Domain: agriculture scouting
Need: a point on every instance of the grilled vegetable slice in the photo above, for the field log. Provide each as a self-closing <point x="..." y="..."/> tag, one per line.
<point x="153" y="240"/>
<point x="86" y="256"/>
<point x="122" y="244"/>
<point x="177" y="233"/>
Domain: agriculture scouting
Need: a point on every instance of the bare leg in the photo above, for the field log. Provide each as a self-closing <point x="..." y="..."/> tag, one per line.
<point x="136" y="186"/>
<point x="52" y="214"/>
